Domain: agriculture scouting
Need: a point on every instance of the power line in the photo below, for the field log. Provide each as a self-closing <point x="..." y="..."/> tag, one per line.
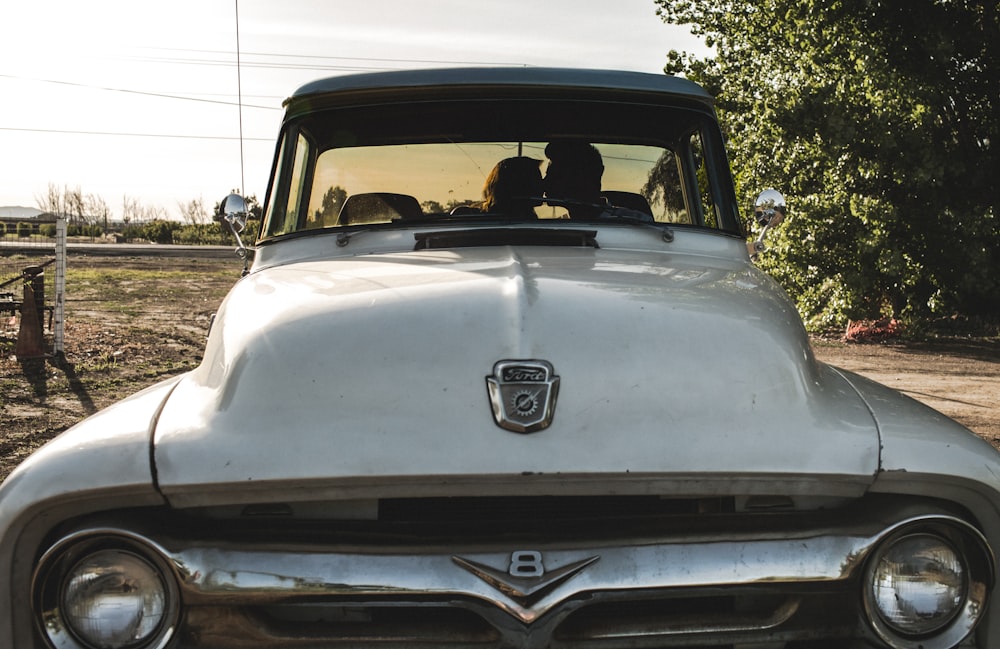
<point x="343" y="63"/>
<point x="156" y="135"/>
<point x="263" y="65"/>
<point x="278" y="55"/>
<point x="136" y="92"/>
<point x="266" y="65"/>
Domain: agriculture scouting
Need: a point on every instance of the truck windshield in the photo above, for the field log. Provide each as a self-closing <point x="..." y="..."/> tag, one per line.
<point x="400" y="173"/>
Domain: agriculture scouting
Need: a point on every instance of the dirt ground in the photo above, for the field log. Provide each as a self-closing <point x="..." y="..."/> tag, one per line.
<point x="131" y="322"/>
<point x="959" y="377"/>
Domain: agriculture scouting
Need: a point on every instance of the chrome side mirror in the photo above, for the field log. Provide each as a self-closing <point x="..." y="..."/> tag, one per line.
<point x="233" y="213"/>
<point x="234" y="210"/>
<point x="768" y="210"/>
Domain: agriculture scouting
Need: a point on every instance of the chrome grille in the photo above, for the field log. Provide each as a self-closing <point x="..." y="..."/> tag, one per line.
<point x="611" y="574"/>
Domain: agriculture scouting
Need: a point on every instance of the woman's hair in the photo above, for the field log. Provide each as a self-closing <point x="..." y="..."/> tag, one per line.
<point x="519" y="177"/>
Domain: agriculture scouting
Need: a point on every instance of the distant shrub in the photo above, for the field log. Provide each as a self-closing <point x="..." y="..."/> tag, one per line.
<point x="201" y="233"/>
<point x="84" y="230"/>
<point x="132" y="232"/>
<point x="160" y="231"/>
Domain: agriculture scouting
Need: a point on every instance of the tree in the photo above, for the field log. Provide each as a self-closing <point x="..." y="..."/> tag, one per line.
<point x="193" y="212"/>
<point x="160" y="230"/>
<point x="51" y="201"/>
<point x="80" y="209"/>
<point x="73" y="199"/>
<point x="879" y="119"/>
<point x="455" y="202"/>
<point x="134" y="214"/>
<point x="432" y="207"/>
<point x="131" y="210"/>
<point x="153" y="213"/>
<point x="98" y="211"/>
<point x="333" y="200"/>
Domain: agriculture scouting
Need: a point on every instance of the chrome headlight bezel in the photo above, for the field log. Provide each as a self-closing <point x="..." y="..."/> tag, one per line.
<point x="972" y="553"/>
<point x="54" y="571"/>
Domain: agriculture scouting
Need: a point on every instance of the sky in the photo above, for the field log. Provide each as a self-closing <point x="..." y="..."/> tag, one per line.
<point x="139" y="101"/>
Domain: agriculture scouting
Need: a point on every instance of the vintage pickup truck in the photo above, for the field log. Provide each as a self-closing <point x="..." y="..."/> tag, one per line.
<point x="502" y="373"/>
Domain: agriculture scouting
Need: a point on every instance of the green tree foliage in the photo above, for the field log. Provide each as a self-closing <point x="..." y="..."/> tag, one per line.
<point x="159" y="231"/>
<point x="333" y="200"/>
<point x="878" y="119"/>
<point x="83" y="230"/>
<point x="193" y="234"/>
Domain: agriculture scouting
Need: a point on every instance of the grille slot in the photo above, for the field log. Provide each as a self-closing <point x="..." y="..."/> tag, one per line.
<point x="767" y="619"/>
<point x="534" y="509"/>
<point x="335" y="625"/>
<point x="681" y="620"/>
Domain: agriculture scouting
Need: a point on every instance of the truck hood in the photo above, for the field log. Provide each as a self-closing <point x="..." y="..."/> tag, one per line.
<point x="366" y="377"/>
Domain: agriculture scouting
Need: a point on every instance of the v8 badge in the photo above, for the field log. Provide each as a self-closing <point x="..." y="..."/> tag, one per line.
<point x="523" y="394"/>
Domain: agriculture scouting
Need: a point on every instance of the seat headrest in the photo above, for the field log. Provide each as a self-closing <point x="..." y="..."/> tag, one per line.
<point x="378" y="207"/>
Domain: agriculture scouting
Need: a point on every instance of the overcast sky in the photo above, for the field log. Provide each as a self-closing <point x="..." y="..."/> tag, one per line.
<point x="138" y="99"/>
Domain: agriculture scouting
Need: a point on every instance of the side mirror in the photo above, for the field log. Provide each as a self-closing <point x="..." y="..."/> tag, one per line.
<point x="769" y="204"/>
<point x="768" y="210"/>
<point x="233" y="214"/>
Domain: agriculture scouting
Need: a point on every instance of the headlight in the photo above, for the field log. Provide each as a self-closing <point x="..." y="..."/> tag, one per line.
<point x="114" y="599"/>
<point x="106" y="593"/>
<point x="926" y="587"/>
<point x="918" y="584"/>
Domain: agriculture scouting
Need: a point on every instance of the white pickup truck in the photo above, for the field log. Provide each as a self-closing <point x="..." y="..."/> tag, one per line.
<point x="502" y="373"/>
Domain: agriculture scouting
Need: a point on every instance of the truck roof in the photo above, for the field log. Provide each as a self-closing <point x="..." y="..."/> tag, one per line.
<point x="506" y="77"/>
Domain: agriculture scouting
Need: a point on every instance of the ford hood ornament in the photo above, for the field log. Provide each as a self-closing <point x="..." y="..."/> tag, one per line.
<point x="523" y="394"/>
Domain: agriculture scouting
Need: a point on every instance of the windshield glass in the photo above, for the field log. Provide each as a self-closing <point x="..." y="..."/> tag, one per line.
<point x="350" y="167"/>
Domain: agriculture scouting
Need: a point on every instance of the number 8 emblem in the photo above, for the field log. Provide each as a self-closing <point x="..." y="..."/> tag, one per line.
<point x="526" y="563"/>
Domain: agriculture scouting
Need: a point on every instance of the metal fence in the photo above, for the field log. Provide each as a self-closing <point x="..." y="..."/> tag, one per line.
<point x="32" y="289"/>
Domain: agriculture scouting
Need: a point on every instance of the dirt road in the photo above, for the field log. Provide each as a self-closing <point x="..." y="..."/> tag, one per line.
<point x="960" y="378"/>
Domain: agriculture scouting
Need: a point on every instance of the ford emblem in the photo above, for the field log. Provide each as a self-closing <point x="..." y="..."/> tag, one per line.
<point x="523" y="394"/>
